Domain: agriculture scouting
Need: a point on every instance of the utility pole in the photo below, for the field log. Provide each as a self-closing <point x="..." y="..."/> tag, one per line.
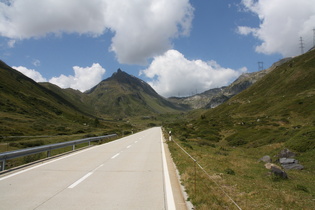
<point x="313" y="37"/>
<point x="260" y="65"/>
<point x="301" y="45"/>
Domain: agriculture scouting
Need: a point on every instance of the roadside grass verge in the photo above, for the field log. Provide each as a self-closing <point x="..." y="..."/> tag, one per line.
<point x="240" y="175"/>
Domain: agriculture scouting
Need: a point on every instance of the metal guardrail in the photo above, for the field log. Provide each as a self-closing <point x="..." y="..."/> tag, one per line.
<point x="46" y="148"/>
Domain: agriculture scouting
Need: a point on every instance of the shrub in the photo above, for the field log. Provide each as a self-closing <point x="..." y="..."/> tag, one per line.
<point x="32" y="158"/>
<point x="25" y="144"/>
<point x="187" y="145"/>
<point x="229" y="171"/>
<point x="303" y="140"/>
<point x="301" y="188"/>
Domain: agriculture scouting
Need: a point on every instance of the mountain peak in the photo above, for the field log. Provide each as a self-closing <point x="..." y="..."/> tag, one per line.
<point x="123" y="77"/>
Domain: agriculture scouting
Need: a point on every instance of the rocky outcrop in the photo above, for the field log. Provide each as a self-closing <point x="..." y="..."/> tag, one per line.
<point x="214" y="97"/>
<point x="242" y="83"/>
<point x="290" y="163"/>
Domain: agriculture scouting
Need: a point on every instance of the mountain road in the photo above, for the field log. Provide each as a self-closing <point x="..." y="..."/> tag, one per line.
<point x="128" y="173"/>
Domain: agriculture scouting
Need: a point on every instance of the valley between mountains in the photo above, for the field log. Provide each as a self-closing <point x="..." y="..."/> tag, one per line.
<point x="227" y="129"/>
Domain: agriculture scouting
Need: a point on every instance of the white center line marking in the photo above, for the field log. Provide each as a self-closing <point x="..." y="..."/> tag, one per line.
<point x="115" y="155"/>
<point x="80" y="180"/>
<point x="84" y="177"/>
<point x="136" y="141"/>
<point x="128" y="146"/>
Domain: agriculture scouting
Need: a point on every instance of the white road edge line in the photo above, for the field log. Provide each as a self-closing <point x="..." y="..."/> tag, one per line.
<point x="168" y="188"/>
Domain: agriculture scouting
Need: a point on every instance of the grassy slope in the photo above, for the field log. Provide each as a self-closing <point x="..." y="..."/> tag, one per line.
<point x="75" y="97"/>
<point x="27" y="108"/>
<point x="275" y="113"/>
<point x="122" y="100"/>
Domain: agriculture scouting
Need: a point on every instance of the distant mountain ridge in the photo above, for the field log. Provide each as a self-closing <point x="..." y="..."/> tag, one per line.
<point x="214" y="97"/>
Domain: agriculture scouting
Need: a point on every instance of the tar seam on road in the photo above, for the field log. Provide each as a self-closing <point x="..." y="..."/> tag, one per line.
<point x="168" y="188"/>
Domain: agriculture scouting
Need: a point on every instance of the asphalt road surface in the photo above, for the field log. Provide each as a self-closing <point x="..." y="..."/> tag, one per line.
<point x="129" y="173"/>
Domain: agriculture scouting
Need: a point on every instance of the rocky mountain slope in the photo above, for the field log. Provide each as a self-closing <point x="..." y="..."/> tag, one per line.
<point x="214" y="97"/>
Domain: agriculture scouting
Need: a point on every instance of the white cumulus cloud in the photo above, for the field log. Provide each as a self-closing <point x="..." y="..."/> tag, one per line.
<point x="142" y="28"/>
<point x="83" y="79"/>
<point x="283" y="22"/>
<point x="31" y="73"/>
<point x="172" y="74"/>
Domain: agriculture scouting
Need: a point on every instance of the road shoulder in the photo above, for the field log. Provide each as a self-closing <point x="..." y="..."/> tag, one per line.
<point x="178" y="193"/>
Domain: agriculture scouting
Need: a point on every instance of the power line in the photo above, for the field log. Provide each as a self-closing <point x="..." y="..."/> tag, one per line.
<point x="301" y="45"/>
<point x="260" y="65"/>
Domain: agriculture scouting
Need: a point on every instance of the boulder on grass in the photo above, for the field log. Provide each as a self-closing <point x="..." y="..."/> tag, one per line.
<point x="286" y="153"/>
<point x="266" y="159"/>
<point x="290" y="163"/>
<point x="278" y="172"/>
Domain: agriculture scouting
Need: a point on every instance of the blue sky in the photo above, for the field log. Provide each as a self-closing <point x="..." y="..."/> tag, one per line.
<point x="177" y="46"/>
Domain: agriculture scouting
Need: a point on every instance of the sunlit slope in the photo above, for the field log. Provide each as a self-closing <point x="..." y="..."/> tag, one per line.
<point x="29" y="108"/>
<point x="124" y="95"/>
<point x="280" y="107"/>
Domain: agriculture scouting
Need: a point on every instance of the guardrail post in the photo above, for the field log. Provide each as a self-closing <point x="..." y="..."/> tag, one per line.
<point x="2" y="165"/>
<point x="48" y="153"/>
<point x="195" y="176"/>
<point x="73" y="147"/>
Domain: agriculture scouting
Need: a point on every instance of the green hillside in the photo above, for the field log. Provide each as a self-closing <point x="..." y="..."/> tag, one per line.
<point x="278" y="108"/>
<point x="30" y="108"/>
<point x="27" y="108"/>
<point x="73" y="96"/>
<point x="277" y="112"/>
<point x="123" y="95"/>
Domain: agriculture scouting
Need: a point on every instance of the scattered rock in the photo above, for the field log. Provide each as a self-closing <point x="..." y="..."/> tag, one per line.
<point x="287" y="161"/>
<point x="286" y="153"/>
<point x="269" y="165"/>
<point x="278" y="172"/>
<point x="290" y="163"/>
<point x="266" y="159"/>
